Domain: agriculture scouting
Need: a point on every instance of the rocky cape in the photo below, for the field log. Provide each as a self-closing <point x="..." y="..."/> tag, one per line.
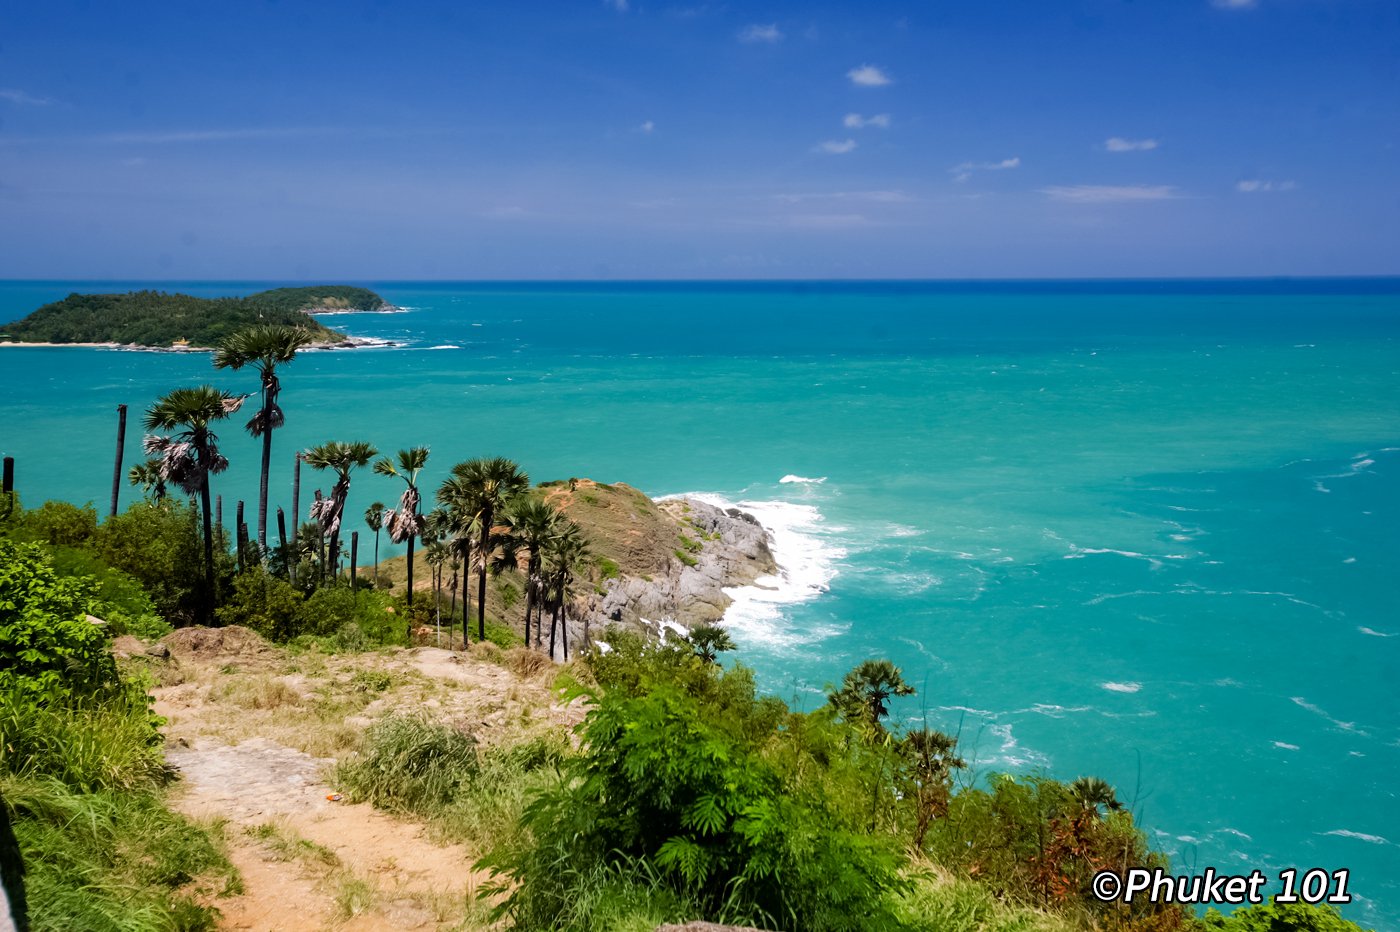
<point x="653" y="561"/>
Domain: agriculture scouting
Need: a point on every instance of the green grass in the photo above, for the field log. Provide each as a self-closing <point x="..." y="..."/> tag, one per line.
<point x="113" y="860"/>
<point x="685" y="558"/>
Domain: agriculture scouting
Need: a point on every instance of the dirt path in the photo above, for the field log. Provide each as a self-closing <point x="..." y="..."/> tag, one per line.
<point x="312" y="863"/>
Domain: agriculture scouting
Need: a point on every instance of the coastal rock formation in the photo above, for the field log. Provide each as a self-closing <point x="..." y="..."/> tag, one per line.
<point x="661" y="561"/>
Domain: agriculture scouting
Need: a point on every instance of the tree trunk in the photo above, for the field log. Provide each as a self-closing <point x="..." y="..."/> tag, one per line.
<point x="486" y="519"/>
<point x="529" y="600"/>
<point x="282" y="533"/>
<point x="408" y="621"/>
<point x="121" y="448"/>
<point x="376" y="556"/>
<point x="553" y="627"/>
<point x="354" y="558"/>
<point x="207" y="606"/>
<point x="268" y="402"/>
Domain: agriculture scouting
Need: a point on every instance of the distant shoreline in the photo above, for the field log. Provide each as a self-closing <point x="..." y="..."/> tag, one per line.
<point x="347" y="343"/>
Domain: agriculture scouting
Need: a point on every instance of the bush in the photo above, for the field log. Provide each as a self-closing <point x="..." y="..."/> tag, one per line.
<point x="58" y="524"/>
<point x="47" y="646"/>
<point x="161" y="547"/>
<point x="410" y="765"/>
<point x="1280" y="917"/>
<point x="267" y="604"/>
<point x="676" y="779"/>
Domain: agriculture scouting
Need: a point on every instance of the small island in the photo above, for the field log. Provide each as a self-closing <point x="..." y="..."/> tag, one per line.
<point x="162" y="320"/>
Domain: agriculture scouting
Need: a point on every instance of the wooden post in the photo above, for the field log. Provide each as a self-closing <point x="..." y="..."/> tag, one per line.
<point x="238" y="533"/>
<point x="286" y="554"/>
<point x="354" y="558"/>
<point x="296" y="493"/>
<point x="121" y="448"/>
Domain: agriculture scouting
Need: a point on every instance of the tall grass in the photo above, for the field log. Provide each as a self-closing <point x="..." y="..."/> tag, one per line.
<point x="105" y="741"/>
<point x="112" y="860"/>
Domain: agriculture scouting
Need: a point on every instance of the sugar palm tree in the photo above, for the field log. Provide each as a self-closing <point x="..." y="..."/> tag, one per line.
<point x="480" y="488"/>
<point x="933" y="758"/>
<point x="187" y="458"/>
<point x="147" y="476"/>
<point x="1092" y="793"/>
<point x="374" y="518"/>
<point x="264" y="346"/>
<point x="535" y="522"/>
<point x="709" y="641"/>
<point x="564" y="554"/>
<point x="405" y="523"/>
<point x="341" y="458"/>
<point x="865" y="693"/>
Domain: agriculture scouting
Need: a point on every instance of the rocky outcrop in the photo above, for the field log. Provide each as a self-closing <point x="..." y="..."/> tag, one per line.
<point x="730" y="548"/>
<point x="661" y="561"/>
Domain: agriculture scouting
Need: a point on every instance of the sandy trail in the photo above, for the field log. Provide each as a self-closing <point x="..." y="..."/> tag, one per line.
<point x="260" y="782"/>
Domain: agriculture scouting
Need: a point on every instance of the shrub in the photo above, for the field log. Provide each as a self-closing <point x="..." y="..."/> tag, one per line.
<point x="47" y="646"/>
<point x="409" y="765"/>
<point x="1277" y="917"/>
<point x="267" y="604"/>
<point x="59" y="524"/>
<point x="161" y="547"/>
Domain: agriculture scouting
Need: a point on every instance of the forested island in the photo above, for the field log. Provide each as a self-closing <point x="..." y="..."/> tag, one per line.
<point x="162" y="319"/>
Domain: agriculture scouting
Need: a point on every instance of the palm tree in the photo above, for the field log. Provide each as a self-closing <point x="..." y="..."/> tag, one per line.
<point x="147" y="476"/>
<point x="865" y="693"/>
<point x="405" y="523"/>
<point x="374" y="517"/>
<point x="264" y="346"/>
<point x="535" y="523"/>
<point x="341" y="458"/>
<point x="189" y="457"/>
<point x="1092" y="793"/>
<point x="480" y="488"/>
<point x="564" y="553"/>
<point x="934" y="757"/>
<point x="709" y="641"/>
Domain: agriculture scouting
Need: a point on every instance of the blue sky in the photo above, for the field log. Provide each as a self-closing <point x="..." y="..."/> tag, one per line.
<point x="649" y="139"/>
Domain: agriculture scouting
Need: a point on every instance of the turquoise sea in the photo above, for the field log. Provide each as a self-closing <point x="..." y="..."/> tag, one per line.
<point x="1148" y="531"/>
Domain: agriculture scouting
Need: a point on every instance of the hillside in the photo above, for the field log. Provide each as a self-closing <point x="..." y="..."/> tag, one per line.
<point x="160" y="319"/>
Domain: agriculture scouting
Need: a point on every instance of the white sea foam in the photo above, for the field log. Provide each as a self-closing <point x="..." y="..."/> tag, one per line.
<point x="791" y="478"/>
<point x="1121" y="687"/>
<point x="445" y="346"/>
<point x="1286" y="746"/>
<point x="1359" y="836"/>
<point x="1374" y="633"/>
<point x="807" y="561"/>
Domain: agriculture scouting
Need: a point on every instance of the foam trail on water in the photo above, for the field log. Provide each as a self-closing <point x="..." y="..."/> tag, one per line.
<point x="791" y="478"/>
<point x="806" y="565"/>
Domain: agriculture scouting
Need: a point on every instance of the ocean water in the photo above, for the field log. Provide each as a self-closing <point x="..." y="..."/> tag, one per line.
<point x="1144" y="531"/>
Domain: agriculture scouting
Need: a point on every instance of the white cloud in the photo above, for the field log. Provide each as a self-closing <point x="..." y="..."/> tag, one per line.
<point x="868" y="76"/>
<point x="964" y="171"/>
<point x="1119" y="144"/>
<point x="646" y="127"/>
<point x="1259" y="186"/>
<point x="1234" y="4"/>
<point x="760" y="33"/>
<point x="837" y="147"/>
<point x="856" y="121"/>
<point x="21" y="99"/>
<point x="1108" y="194"/>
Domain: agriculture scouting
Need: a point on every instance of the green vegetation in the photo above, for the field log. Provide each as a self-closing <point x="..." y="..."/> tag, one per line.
<point x="157" y="318"/>
<point x="81" y="769"/>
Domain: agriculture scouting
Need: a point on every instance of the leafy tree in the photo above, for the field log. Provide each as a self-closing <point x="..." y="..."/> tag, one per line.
<point x="159" y="546"/>
<point x="265" y="347"/>
<point x="564" y="554"/>
<point x="866" y="691"/>
<point x="189" y="457"/>
<point x="341" y="458"/>
<point x="1274" y="916"/>
<point x="478" y="491"/>
<point x="709" y="641"/>
<point x="405" y="523"/>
